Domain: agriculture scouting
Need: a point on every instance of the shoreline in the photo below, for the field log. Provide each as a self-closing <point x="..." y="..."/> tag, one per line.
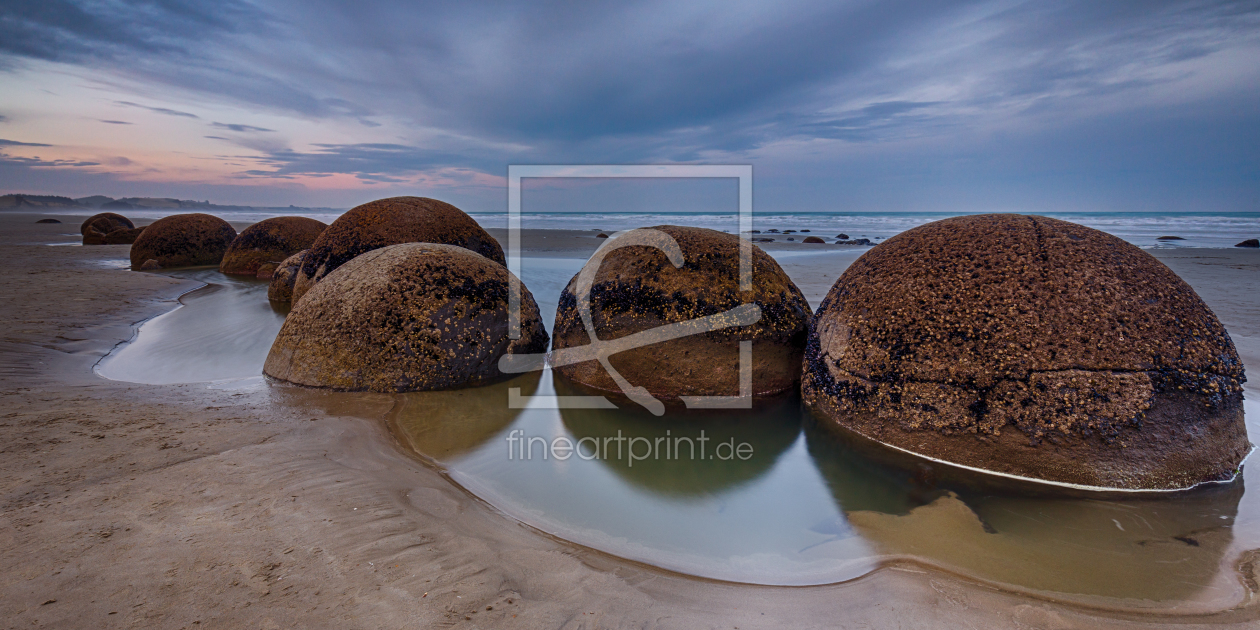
<point x="199" y="525"/>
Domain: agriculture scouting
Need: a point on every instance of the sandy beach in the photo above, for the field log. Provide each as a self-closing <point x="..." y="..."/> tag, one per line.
<point x="260" y="505"/>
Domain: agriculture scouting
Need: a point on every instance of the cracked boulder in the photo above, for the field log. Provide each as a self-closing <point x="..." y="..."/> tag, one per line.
<point x="637" y="290"/>
<point x="409" y="317"/>
<point x="269" y="241"/>
<point x="1032" y="348"/>
<point x="391" y="221"/>
<point x="282" y="279"/>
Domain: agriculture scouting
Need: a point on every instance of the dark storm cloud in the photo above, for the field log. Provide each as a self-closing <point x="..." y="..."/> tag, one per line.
<point x="238" y="128"/>
<point x="158" y="110"/>
<point x="15" y="143"/>
<point x="379" y="162"/>
<point x="65" y="30"/>
<point x="36" y="162"/>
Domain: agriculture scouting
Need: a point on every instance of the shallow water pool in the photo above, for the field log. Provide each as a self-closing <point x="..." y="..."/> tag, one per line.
<point x="801" y="508"/>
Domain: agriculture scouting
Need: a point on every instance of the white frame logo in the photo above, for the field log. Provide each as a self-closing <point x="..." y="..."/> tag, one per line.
<point x="600" y="350"/>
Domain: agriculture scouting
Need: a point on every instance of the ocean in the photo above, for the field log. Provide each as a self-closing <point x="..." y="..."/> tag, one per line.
<point x="1139" y="228"/>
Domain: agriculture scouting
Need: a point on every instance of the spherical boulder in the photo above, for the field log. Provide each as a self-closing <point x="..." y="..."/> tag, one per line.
<point x="408" y="317"/>
<point x="1032" y="348"/>
<point x="813" y="239"/>
<point x="637" y="289"/>
<point x="151" y="265"/>
<point x="282" y="279"/>
<point x="269" y="241"/>
<point x="183" y="240"/>
<point x="387" y="222"/>
<point x="106" y="222"/>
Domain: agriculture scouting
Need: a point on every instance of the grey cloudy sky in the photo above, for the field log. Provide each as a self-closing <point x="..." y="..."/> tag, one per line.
<point x="1021" y="106"/>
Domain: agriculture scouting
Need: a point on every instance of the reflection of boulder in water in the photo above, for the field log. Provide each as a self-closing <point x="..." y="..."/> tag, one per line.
<point x="444" y="424"/>
<point x="1160" y="548"/>
<point x="858" y="482"/>
<point x="770" y="429"/>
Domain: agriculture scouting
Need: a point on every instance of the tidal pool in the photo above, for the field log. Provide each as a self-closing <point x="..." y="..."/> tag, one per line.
<point x="786" y="503"/>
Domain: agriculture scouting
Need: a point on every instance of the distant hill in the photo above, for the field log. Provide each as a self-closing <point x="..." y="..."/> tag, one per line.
<point x="40" y="202"/>
<point x="36" y="201"/>
<point x="95" y="201"/>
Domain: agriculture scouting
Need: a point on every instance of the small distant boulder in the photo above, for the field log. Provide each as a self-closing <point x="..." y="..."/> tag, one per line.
<point x="1251" y="242"/>
<point x="392" y="221"/>
<point x="601" y="235"/>
<point x="842" y="236"/>
<point x="269" y="241"/>
<point x="1169" y="238"/>
<point x="804" y="231"/>
<point x="756" y="231"/>
<point x="283" y="277"/>
<point x="813" y="239"/>
<point x="48" y="221"/>
<point x="789" y="231"/>
<point x="105" y="223"/>
<point x="183" y="240"/>
<point x="150" y="265"/>
<point x="403" y="318"/>
<point x="855" y="241"/>
<point x="791" y="239"/>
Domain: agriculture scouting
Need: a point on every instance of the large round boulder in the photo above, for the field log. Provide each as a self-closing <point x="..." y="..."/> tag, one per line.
<point x="269" y="241"/>
<point x="183" y="240"/>
<point x="387" y="222"/>
<point x="282" y="279"/>
<point x="637" y="289"/>
<point x="105" y="223"/>
<point x="1033" y="348"/>
<point x="409" y="317"/>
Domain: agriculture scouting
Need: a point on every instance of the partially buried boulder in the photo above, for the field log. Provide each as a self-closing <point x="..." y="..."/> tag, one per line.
<point x="48" y="221"/>
<point x="105" y="223"/>
<point x="1251" y="242"/>
<point x="813" y="239"/>
<point x="183" y="240"/>
<point x="123" y="237"/>
<point x="269" y="241"/>
<point x="282" y="279"/>
<point x="409" y="317"/>
<point x="637" y="289"/>
<point x="1032" y="348"/>
<point x="387" y="222"/>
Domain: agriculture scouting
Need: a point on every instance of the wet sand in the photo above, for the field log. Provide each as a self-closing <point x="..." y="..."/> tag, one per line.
<point x="268" y="506"/>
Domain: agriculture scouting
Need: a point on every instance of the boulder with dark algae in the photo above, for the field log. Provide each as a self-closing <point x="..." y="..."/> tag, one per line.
<point x="105" y="223"/>
<point x="1032" y="348"/>
<point x="1251" y="242"/>
<point x="638" y="289"/>
<point x="183" y="240"/>
<point x="282" y="279"/>
<point x="387" y="222"/>
<point x="269" y="241"/>
<point x="48" y="221"/>
<point x="409" y="317"/>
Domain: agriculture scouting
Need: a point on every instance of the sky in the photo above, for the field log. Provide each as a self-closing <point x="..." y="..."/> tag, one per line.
<point x="928" y="106"/>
